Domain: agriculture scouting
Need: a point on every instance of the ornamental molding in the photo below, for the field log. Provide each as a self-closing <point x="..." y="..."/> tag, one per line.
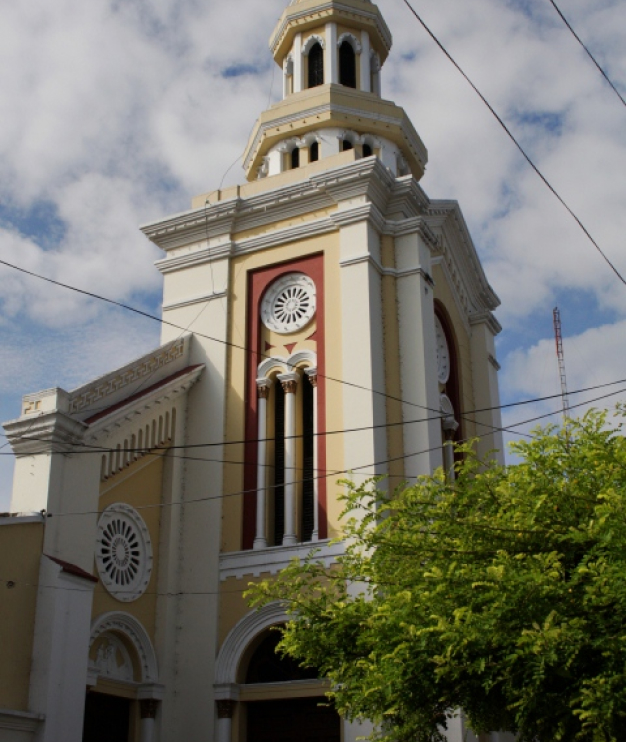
<point x="310" y="42"/>
<point x="293" y="17"/>
<point x="128" y="412"/>
<point x="285" y="365"/>
<point x="118" y="622"/>
<point x="289" y="303"/>
<point x="399" y="120"/>
<point x="458" y="249"/>
<point x="96" y="392"/>
<point x="273" y="559"/>
<point x="352" y="40"/>
<point x="20" y="721"/>
<point x="52" y="432"/>
<point x="123" y="552"/>
<point x="239" y="638"/>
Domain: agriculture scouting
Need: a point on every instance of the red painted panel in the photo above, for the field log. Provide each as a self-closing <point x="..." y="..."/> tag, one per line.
<point x="258" y="281"/>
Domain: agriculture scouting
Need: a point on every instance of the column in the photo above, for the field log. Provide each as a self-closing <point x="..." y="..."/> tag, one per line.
<point x="263" y="387"/>
<point x="225" y="711"/>
<point x="366" y="70"/>
<point x="297" y="63"/>
<point x="290" y="384"/>
<point x="148" y="708"/>
<point x="312" y="374"/>
<point x="285" y="78"/>
<point x="331" y="56"/>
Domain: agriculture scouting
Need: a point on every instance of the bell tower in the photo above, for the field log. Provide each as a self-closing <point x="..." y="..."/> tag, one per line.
<point x="331" y="56"/>
<point x="346" y="329"/>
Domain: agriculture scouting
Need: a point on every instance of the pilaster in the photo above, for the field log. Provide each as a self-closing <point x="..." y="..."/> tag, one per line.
<point x="418" y="372"/>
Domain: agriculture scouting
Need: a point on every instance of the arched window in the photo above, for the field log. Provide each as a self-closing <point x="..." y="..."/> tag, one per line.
<point x="367" y="150"/>
<point x="316" y="66"/>
<point x="346" y="144"/>
<point x="295" y="158"/>
<point x="279" y="465"/>
<point x="347" y="65"/>
<point x="314" y="152"/>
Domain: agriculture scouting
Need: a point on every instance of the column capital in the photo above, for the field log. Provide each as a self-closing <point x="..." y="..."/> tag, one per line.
<point x="263" y="387"/>
<point x="289" y="382"/>
<point x="312" y="374"/>
<point x="225" y="708"/>
<point x="148" y="708"/>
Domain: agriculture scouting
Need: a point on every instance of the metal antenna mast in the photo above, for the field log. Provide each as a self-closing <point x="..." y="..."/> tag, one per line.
<point x="561" y="359"/>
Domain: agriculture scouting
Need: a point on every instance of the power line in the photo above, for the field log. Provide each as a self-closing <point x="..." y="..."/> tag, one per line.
<point x="342" y="431"/>
<point x="589" y="54"/>
<point x="336" y="473"/>
<point x="516" y="143"/>
<point x="227" y="343"/>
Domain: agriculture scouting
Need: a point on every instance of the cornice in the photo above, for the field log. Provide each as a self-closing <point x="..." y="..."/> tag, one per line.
<point x="492" y="323"/>
<point x="460" y="256"/>
<point x="321" y="11"/>
<point x="123" y="413"/>
<point x="353" y="112"/>
<point x="52" y="432"/>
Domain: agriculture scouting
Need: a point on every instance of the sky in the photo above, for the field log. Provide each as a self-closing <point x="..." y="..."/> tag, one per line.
<point x="115" y="113"/>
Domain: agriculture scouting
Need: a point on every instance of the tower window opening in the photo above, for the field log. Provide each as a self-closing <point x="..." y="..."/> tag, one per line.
<point x="316" y="66"/>
<point x="308" y="443"/>
<point x="346" y="144"/>
<point x="347" y="65"/>
<point x="367" y="150"/>
<point x="279" y="464"/>
<point x="295" y="158"/>
<point x="314" y="152"/>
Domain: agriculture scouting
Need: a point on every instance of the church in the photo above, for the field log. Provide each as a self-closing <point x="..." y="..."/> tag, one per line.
<point x="323" y="319"/>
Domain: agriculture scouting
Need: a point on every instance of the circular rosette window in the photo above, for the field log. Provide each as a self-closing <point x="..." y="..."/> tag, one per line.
<point x="289" y="303"/>
<point x="123" y="552"/>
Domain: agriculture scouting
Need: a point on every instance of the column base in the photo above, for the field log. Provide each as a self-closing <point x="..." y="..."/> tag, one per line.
<point x="289" y="540"/>
<point x="259" y="543"/>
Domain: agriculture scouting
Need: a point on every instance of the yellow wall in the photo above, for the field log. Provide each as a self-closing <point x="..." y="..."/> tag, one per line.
<point x="139" y="485"/>
<point x="20" y="553"/>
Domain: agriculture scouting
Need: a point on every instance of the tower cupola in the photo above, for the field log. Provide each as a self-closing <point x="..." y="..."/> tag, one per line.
<point x="331" y="55"/>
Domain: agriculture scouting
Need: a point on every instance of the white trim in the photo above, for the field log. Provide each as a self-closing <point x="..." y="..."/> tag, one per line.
<point x="287" y="364"/>
<point x="310" y="42"/>
<point x="129" y="626"/>
<point x="18" y="519"/>
<point x="19" y="721"/>
<point x="240" y="636"/>
<point x="352" y="39"/>
<point x="272" y="560"/>
<point x="194" y="300"/>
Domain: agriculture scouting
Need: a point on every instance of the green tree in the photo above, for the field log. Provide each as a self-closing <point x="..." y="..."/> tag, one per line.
<point x="502" y="593"/>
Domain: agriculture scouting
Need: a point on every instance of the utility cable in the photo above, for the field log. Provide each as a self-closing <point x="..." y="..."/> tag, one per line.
<point x="516" y="143"/>
<point x="341" y="472"/>
<point x="589" y="54"/>
<point x="75" y="448"/>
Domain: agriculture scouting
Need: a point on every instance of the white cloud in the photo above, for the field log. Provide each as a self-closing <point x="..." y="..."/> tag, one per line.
<point x="114" y="114"/>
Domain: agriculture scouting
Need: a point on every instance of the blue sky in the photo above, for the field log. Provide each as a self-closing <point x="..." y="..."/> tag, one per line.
<point x="117" y="113"/>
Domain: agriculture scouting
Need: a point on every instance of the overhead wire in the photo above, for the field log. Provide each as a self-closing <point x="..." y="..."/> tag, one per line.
<point x="338" y="472"/>
<point x="73" y="448"/>
<point x="511" y="136"/>
<point x="589" y="54"/>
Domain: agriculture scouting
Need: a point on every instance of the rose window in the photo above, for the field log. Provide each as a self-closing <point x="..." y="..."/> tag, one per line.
<point x="124" y="552"/>
<point x="289" y="303"/>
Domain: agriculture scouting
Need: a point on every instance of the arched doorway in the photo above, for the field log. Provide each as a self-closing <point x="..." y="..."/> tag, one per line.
<point x="310" y="718"/>
<point x="123" y="694"/>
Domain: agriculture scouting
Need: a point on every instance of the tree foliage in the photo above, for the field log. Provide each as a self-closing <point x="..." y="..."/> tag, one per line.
<point x="502" y="593"/>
